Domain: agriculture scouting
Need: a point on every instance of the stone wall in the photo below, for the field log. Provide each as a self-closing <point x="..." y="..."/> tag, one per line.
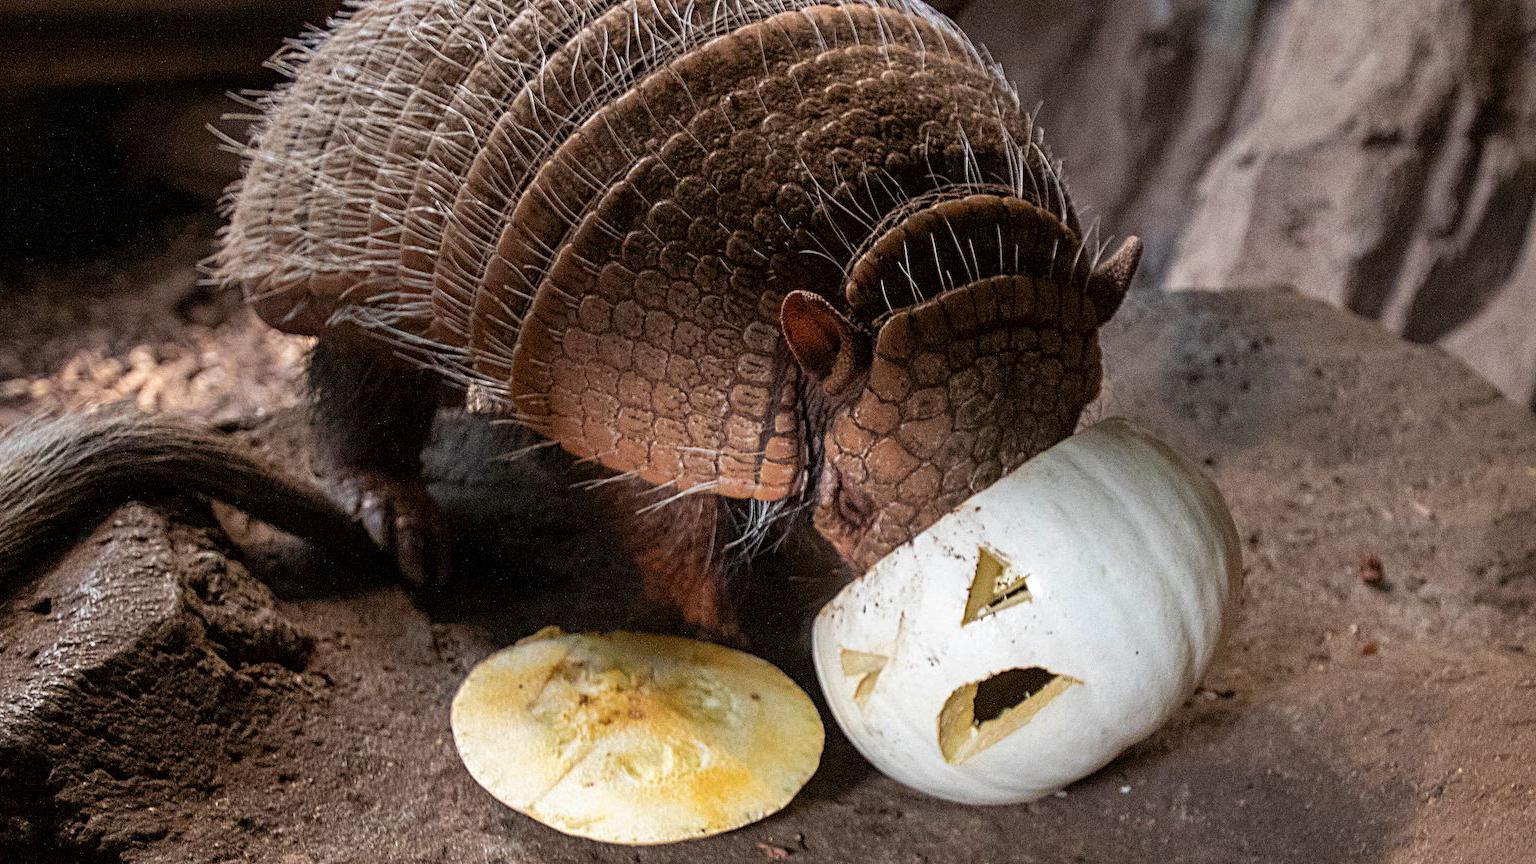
<point x="1379" y="154"/>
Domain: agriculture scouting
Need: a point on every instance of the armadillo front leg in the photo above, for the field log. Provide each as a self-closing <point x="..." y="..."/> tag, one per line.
<point x="371" y="420"/>
<point x="680" y="550"/>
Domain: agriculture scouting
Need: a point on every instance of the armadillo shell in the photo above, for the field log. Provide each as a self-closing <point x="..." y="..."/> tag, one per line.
<point x="591" y="209"/>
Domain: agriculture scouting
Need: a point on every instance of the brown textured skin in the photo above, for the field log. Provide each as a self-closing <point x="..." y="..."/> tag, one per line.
<point x="598" y="222"/>
<point x="660" y="348"/>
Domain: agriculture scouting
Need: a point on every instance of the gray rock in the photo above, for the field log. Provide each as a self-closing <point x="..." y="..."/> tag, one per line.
<point x="1379" y="154"/>
<point x="129" y="674"/>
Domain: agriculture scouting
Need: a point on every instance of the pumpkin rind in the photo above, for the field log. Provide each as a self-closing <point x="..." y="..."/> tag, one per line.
<point x="1131" y="561"/>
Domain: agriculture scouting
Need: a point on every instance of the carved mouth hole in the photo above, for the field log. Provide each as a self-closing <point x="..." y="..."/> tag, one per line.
<point x="978" y="715"/>
<point x="995" y="587"/>
<point x="996" y="695"/>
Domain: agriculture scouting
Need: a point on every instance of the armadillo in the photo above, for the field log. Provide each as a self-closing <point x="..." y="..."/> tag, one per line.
<point x="759" y="262"/>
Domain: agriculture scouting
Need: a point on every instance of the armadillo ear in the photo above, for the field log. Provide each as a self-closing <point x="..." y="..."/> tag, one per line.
<point x="1112" y="278"/>
<point x="824" y="342"/>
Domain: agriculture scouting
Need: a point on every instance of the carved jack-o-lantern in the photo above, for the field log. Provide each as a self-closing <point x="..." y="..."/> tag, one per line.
<point x="1049" y="622"/>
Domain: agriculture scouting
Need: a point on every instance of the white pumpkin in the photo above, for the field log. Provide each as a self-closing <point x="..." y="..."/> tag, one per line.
<point x="1048" y="623"/>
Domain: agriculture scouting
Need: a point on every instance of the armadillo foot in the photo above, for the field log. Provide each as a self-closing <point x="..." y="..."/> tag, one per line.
<point x="402" y="518"/>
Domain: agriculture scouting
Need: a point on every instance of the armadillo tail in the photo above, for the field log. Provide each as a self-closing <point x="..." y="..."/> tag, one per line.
<point x="59" y="475"/>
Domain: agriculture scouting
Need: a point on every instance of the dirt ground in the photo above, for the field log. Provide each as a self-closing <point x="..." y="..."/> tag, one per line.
<point x="136" y="324"/>
<point x="170" y="694"/>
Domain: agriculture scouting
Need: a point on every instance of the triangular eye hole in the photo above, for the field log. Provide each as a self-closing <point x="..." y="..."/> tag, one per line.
<point x="995" y="587"/>
<point x="867" y="668"/>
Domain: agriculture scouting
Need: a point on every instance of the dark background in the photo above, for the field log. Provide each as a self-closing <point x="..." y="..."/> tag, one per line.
<point x="1380" y="154"/>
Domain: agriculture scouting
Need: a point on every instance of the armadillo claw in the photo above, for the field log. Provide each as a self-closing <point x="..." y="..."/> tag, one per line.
<point x="403" y="520"/>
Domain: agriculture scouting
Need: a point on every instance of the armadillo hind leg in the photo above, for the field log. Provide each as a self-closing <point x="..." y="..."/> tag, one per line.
<point x="371" y="418"/>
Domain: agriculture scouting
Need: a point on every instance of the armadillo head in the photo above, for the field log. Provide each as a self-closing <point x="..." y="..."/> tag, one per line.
<point x="966" y="342"/>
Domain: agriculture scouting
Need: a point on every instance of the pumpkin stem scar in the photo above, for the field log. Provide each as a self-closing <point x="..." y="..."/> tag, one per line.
<point x="978" y="715"/>
<point x="995" y="587"/>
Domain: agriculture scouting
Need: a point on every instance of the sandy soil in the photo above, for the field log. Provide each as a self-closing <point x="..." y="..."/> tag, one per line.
<point x="168" y="694"/>
<point x="139" y="326"/>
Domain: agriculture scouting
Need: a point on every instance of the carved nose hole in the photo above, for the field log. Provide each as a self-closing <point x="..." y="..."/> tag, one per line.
<point x="866" y="667"/>
<point x="995" y="587"/>
<point x="978" y="715"/>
